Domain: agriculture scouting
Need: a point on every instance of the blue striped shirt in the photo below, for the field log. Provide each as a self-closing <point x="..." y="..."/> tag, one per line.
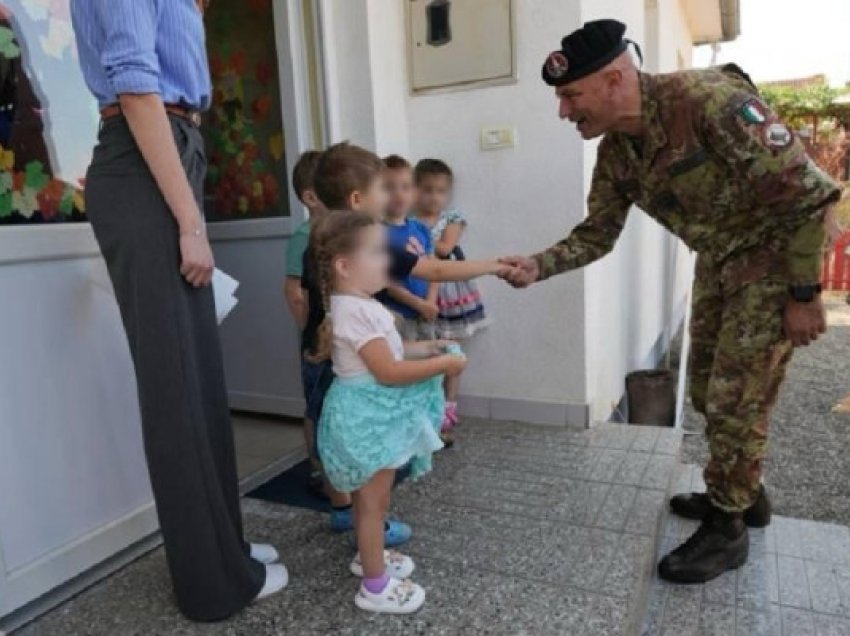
<point x="143" y="46"/>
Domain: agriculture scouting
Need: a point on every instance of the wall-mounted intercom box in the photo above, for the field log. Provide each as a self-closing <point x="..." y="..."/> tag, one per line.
<point x="461" y="43"/>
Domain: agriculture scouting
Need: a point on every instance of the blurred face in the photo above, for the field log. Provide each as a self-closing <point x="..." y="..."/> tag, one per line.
<point x="589" y="103"/>
<point x="372" y="201"/>
<point x="398" y="183"/>
<point x="433" y="193"/>
<point x="365" y="269"/>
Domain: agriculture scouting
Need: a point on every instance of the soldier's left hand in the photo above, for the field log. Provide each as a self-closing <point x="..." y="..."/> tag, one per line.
<point x="804" y="322"/>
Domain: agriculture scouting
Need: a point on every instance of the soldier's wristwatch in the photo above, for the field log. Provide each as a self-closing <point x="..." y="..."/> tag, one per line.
<point x="804" y="293"/>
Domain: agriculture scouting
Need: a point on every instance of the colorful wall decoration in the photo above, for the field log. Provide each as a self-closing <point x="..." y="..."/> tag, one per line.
<point x="43" y="155"/>
<point x="244" y="129"/>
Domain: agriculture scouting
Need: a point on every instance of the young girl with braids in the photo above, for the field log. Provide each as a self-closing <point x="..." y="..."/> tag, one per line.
<point x="385" y="406"/>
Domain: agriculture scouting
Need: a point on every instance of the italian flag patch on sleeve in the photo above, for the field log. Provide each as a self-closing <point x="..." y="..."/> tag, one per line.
<point x="753" y="112"/>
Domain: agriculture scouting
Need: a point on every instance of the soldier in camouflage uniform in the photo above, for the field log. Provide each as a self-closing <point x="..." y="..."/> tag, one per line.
<point x="701" y="154"/>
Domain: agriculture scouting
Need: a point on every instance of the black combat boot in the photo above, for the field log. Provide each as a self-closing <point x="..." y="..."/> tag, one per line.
<point x="696" y="505"/>
<point x="721" y="543"/>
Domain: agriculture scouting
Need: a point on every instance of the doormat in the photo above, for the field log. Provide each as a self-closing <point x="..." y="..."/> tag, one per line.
<point x="290" y="488"/>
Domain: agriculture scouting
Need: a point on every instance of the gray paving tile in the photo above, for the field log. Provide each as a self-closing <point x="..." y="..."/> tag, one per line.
<point x="616" y="508"/>
<point x="831" y="625"/>
<point x="581" y="505"/>
<point x="793" y="585"/>
<point x="608" y="617"/>
<point x="632" y="468"/>
<point x="631" y="566"/>
<point x="645" y="438"/>
<point x="659" y="472"/>
<point x="716" y="620"/>
<point x="817" y="541"/>
<point x="750" y="622"/>
<point x="823" y="588"/>
<point x="654" y="616"/>
<point x="514" y="606"/>
<point x="669" y="442"/>
<point x="682" y="610"/>
<point x="772" y="576"/>
<point x="722" y="590"/>
<point x="609" y="435"/>
<point x="797" y="622"/>
<point x="606" y="464"/>
<point x="751" y="587"/>
<point x="645" y="513"/>
<point x="787" y="534"/>
<point x="682" y="477"/>
<point x="842" y="580"/>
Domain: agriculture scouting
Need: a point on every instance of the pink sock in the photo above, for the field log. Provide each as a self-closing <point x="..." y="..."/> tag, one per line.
<point x="377" y="584"/>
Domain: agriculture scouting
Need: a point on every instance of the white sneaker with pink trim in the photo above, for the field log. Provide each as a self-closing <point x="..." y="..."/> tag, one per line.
<point x="398" y="597"/>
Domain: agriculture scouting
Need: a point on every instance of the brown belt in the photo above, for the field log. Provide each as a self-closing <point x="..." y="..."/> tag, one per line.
<point x="192" y="116"/>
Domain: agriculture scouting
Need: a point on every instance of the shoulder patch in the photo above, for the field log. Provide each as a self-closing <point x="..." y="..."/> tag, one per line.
<point x="753" y="111"/>
<point x="777" y="135"/>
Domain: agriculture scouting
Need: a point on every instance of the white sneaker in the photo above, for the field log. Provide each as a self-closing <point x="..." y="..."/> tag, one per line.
<point x="276" y="579"/>
<point x="398" y="597"/>
<point x="398" y="565"/>
<point x="264" y="553"/>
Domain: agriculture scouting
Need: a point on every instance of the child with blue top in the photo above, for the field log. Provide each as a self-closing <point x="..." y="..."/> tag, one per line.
<point x="413" y="298"/>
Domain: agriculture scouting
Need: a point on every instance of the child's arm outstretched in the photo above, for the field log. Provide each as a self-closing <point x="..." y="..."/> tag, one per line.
<point x="378" y="357"/>
<point x="432" y="269"/>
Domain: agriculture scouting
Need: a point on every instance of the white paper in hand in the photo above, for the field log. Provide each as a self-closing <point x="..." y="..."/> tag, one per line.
<point x="224" y="287"/>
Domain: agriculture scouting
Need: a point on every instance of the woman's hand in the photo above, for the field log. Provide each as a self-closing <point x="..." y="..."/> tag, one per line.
<point x="197" y="263"/>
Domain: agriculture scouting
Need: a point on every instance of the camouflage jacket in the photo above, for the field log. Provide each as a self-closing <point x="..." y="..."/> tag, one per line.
<point x="716" y="168"/>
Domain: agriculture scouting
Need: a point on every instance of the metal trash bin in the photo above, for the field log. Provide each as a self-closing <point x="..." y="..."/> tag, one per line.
<point x="651" y="396"/>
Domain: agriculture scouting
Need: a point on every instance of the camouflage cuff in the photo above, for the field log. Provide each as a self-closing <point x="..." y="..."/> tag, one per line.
<point x="805" y="253"/>
<point x="545" y="265"/>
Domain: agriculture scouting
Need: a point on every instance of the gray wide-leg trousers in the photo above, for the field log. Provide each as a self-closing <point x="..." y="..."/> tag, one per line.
<point x="173" y="336"/>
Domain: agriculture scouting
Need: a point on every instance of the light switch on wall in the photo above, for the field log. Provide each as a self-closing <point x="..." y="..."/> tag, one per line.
<point x="496" y="137"/>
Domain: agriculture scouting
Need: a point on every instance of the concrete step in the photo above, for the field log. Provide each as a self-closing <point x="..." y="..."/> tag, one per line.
<point x="796" y="582"/>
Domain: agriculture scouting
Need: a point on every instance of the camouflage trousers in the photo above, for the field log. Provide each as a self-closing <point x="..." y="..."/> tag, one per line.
<point x="737" y="363"/>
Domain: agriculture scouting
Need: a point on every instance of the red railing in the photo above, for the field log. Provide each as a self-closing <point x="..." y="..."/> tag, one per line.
<point x="836" y="266"/>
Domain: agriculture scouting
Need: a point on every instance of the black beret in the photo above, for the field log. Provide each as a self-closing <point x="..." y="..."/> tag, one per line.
<point x="585" y="51"/>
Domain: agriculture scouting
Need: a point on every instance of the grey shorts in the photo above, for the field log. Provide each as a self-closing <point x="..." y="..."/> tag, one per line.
<point x="416" y="329"/>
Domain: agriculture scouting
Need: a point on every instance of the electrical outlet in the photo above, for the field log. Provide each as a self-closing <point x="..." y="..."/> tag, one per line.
<point x="497" y="137"/>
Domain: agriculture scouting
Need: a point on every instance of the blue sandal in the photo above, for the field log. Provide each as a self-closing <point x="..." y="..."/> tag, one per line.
<point x="395" y="532"/>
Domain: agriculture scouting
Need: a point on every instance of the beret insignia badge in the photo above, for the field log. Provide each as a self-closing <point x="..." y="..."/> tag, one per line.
<point x="557" y="65"/>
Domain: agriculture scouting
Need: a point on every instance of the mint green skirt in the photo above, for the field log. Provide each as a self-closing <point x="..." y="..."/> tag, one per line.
<point x="366" y="427"/>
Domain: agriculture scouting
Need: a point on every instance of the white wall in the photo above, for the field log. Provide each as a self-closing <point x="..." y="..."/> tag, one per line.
<point x="566" y="343"/>
<point x="75" y="484"/>
<point x="517" y="201"/>
<point x="634" y="297"/>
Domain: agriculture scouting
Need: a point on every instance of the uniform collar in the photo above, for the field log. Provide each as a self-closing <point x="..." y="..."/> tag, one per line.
<point x="654" y="137"/>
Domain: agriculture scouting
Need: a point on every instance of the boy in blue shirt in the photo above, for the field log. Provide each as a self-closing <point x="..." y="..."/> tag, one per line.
<point x="414" y="299"/>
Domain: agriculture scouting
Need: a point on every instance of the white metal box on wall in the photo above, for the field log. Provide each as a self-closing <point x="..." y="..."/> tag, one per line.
<point x="458" y="43"/>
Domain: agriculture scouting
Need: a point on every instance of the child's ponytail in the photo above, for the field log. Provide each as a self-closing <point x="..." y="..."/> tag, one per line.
<point x="334" y="235"/>
<point x="324" y="334"/>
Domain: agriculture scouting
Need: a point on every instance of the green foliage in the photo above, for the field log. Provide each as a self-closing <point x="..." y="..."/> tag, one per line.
<point x="795" y="105"/>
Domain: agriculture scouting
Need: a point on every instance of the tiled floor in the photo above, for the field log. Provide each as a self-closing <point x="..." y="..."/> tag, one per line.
<point x="519" y="530"/>
<point x="265" y="447"/>
<point x="796" y="582"/>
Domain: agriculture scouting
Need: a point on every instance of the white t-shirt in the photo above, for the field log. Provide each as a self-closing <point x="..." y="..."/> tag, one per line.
<point x="357" y="321"/>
